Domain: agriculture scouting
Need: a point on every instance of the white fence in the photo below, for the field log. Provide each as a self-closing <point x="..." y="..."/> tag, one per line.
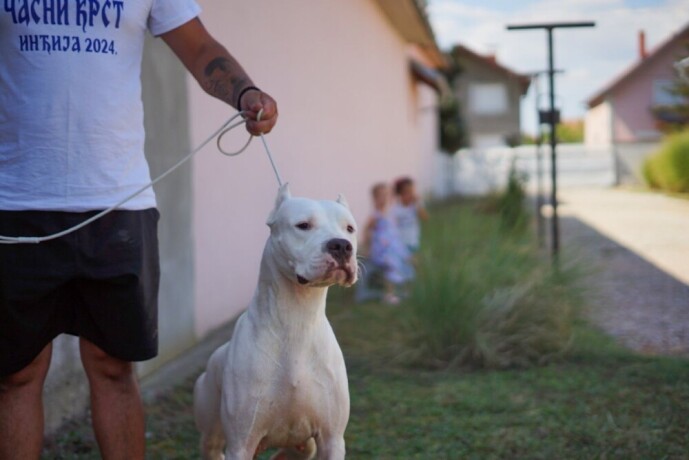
<point x="480" y="171"/>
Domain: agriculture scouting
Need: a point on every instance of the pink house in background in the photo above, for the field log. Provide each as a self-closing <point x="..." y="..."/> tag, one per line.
<point x="621" y="112"/>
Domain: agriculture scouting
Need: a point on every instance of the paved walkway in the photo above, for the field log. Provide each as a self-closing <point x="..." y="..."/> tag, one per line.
<point x="639" y="245"/>
<point x="654" y="226"/>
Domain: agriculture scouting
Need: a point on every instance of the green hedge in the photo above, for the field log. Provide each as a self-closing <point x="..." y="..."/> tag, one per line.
<point x="668" y="168"/>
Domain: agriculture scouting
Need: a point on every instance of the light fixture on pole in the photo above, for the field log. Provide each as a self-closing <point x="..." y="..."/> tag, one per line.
<point x="552" y="119"/>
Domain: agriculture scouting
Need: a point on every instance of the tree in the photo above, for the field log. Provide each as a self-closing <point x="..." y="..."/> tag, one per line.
<point x="675" y="117"/>
<point x="453" y="134"/>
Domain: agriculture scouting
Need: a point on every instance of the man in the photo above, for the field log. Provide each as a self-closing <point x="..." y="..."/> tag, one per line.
<point x="71" y="143"/>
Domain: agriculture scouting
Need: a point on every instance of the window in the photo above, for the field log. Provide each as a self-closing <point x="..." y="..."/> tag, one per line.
<point x="662" y="95"/>
<point x="488" y="98"/>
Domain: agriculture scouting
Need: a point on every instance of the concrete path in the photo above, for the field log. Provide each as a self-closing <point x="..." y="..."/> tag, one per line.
<point x="638" y="244"/>
<point x="654" y="226"/>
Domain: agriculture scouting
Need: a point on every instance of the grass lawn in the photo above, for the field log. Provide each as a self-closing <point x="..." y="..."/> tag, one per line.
<point x="597" y="401"/>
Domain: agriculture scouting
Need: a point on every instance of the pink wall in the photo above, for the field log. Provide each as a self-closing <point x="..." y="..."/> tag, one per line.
<point x="633" y="98"/>
<point x="349" y="116"/>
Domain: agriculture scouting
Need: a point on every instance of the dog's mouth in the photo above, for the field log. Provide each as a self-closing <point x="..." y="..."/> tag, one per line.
<point x="349" y="274"/>
<point x="331" y="276"/>
<point x="343" y="268"/>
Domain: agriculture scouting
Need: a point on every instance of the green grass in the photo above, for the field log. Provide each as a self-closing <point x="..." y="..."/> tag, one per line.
<point x="601" y="402"/>
<point x="597" y="401"/>
<point x="484" y="296"/>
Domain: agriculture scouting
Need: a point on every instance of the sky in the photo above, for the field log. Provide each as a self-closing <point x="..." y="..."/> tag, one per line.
<point x="590" y="57"/>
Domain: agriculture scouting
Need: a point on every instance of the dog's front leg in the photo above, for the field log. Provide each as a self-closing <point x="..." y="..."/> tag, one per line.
<point x="330" y="447"/>
<point x="246" y="452"/>
<point x="242" y="442"/>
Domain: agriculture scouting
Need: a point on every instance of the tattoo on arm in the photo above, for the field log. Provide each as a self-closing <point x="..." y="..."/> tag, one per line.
<point x="222" y="82"/>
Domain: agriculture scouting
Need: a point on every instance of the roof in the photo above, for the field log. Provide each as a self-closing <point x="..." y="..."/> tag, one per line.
<point x="637" y="67"/>
<point x="459" y="51"/>
<point x="409" y="18"/>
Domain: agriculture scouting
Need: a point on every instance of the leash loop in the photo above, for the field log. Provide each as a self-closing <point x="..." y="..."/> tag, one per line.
<point x="226" y="127"/>
<point x="270" y="156"/>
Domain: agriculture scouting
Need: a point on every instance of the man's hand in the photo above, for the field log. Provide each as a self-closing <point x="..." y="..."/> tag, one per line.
<point x="219" y="74"/>
<point x="252" y="102"/>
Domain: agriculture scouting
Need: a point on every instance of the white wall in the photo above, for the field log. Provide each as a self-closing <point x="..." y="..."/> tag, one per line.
<point x="597" y="125"/>
<point x="481" y="171"/>
<point x="349" y="116"/>
<point x="427" y="133"/>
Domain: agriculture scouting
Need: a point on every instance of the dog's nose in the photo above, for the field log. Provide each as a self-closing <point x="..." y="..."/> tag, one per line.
<point x="339" y="248"/>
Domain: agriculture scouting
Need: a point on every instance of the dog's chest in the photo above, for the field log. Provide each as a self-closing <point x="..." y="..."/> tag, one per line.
<point x="302" y="402"/>
<point x="306" y="380"/>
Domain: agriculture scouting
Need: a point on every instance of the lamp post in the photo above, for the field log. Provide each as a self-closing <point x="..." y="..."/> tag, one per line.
<point x="540" y="223"/>
<point x="552" y="120"/>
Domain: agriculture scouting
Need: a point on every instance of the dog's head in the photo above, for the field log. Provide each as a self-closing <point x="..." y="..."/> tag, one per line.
<point x="314" y="241"/>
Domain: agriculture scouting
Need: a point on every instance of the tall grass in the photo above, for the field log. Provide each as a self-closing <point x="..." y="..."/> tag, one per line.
<point x="484" y="297"/>
<point x="513" y="214"/>
<point x="668" y="168"/>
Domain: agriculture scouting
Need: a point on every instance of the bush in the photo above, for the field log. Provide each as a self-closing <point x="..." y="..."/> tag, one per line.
<point x="668" y="168"/>
<point x="483" y="298"/>
<point x="649" y="174"/>
<point x="513" y="215"/>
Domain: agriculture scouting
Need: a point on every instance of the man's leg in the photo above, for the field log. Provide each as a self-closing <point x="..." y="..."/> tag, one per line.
<point x="116" y="408"/>
<point x="21" y="410"/>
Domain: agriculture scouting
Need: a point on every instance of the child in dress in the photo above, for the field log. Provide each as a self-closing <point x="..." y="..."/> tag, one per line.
<point x="385" y="246"/>
<point x="407" y="212"/>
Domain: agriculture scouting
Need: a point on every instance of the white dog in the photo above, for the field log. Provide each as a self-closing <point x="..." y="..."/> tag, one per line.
<point x="281" y="381"/>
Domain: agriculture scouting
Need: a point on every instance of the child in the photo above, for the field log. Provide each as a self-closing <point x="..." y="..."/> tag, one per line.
<point x="407" y="212"/>
<point x="385" y="246"/>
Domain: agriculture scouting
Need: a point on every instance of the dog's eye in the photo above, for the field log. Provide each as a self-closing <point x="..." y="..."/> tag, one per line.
<point x="303" y="226"/>
<point x="350" y="228"/>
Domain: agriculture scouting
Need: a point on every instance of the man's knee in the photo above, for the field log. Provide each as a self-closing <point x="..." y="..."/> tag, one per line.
<point x="102" y="367"/>
<point x="33" y="374"/>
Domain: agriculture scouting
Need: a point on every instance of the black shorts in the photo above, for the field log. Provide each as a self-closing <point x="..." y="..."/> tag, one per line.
<point x="99" y="283"/>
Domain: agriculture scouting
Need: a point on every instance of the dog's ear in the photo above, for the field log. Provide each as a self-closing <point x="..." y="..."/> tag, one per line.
<point x="342" y="200"/>
<point x="283" y="194"/>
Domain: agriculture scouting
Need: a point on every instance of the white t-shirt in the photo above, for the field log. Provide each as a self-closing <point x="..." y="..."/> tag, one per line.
<point x="71" y="115"/>
<point x="407" y="221"/>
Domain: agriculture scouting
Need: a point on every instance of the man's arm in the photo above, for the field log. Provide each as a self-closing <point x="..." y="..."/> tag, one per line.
<point x="219" y="74"/>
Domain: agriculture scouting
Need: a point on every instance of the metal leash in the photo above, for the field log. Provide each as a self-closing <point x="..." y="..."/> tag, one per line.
<point x="219" y="133"/>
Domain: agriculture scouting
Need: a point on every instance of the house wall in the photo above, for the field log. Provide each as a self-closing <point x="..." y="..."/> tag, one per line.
<point x="349" y="116"/>
<point x="597" y="125"/>
<point x="425" y="121"/>
<point x="488" y="130"/>
<point x="426" y="127"/>
<point x="166" y="120"/>
<point x="632" y="100"/>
